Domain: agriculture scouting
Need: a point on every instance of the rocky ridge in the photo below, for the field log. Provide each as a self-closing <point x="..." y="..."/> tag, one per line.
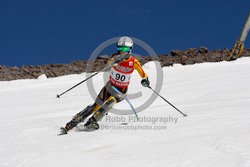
<point x="184" y="57"/>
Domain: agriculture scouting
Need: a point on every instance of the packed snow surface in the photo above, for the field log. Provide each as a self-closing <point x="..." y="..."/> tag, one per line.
<point x="216" y="132"/>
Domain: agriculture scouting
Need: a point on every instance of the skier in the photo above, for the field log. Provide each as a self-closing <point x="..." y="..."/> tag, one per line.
<point x="123" y="66"/>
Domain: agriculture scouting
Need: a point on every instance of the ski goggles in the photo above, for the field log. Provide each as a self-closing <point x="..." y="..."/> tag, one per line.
<point x="123" y="48"/>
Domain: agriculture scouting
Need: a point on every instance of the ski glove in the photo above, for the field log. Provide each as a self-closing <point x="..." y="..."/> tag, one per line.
<point x="145" y="82"/>
<point x="120" y="58"/>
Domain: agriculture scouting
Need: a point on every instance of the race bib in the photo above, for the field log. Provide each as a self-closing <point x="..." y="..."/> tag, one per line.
<point x="118" y="76"/>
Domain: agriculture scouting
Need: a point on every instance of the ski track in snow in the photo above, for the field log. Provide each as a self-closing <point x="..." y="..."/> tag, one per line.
<point x="216" y="132"/>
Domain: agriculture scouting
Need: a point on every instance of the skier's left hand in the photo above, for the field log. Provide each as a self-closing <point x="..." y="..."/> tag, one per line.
<point x="145" y="82"/>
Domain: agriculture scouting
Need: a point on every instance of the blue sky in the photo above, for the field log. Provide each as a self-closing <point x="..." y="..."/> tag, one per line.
<point x="60" y="31"/>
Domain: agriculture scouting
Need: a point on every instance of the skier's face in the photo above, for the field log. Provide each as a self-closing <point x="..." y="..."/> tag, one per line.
<point x="123" y="53"/>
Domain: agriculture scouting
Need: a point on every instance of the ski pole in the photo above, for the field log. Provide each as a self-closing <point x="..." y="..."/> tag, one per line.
<point x="117" y="60"/>
<point x="168" y="102"/>
<point x="58" y="96"/>
<point x="124" y="96"/>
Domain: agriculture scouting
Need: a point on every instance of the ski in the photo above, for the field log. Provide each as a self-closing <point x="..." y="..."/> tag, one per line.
<point x="79" y="128"/>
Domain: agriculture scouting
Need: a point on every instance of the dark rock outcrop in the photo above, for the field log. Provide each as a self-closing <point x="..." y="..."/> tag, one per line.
<point x="184" y="57"/>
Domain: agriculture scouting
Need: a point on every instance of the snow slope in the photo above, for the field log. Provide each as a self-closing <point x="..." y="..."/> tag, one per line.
<point x="216" y="133"/>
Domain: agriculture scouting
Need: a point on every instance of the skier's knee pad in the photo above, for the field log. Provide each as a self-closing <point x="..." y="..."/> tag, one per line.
<point x="108" y="104"/>
<point x="111" y="101"/>
<point x="98" y="115"/>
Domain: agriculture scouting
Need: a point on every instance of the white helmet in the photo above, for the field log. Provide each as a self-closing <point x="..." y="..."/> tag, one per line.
<point x="125" y="41"/>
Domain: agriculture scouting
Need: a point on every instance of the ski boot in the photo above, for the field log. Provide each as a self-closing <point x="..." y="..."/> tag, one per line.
<point x="91" y="125"/>
<point x="70" y="125"/>
<point x="79" y="117"/>
<point x="63" y="131"/>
